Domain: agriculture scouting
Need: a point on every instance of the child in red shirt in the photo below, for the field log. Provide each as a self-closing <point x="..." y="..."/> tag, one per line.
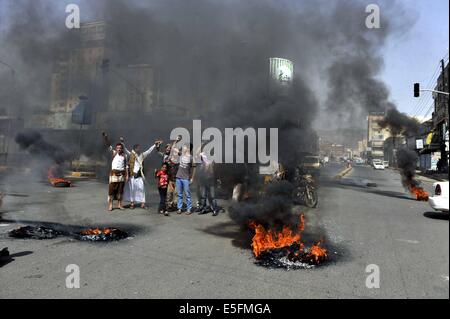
<point x="162" y="180"/>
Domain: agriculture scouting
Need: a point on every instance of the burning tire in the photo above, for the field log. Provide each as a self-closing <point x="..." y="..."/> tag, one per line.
<point x="31" y="232"/>
<point x="101" y="234"/>
<point x="284" y="248"/>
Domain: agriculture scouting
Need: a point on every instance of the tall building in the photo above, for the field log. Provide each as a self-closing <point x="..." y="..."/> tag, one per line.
<point x="92" y="69"/>
<point x="76" y="73"/>
<point x="440" y="116"/>
<point x="281" y="75"/>
<point x="361" y="148"/>
<point x="376" y="135"/>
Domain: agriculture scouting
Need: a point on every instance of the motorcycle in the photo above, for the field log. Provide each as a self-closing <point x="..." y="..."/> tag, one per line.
<point x="305" y="189"/>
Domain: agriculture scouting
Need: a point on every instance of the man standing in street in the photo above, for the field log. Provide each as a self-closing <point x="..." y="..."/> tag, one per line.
<point x="184" y="177"/>
<point x="118" y="174"/>
<point x="206" y="185"/>
<point x="171" y="158"/>
<point x="135" y="188"/>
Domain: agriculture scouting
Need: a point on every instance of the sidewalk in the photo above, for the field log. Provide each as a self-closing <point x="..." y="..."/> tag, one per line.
<point x="434" y="177"/>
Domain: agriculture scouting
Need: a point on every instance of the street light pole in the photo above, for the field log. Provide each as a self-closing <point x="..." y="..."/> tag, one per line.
<point x="434" y="91"/>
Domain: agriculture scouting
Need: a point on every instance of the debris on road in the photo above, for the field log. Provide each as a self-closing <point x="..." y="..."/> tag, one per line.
<point x="90" y="234"/>
<point x="4" y="252"/>
<point x="31" y="232"/>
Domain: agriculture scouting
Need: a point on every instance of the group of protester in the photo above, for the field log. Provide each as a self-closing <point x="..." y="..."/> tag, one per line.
<point x="173" y="179"/>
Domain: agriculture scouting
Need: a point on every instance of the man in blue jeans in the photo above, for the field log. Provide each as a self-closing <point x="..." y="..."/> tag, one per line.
<point x="184" y="178"/>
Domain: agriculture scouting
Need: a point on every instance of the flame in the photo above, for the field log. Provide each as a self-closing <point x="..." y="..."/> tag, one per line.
<point x="317" y="253"/>
<point x="57" y="181"/>
<point x="420" y="193"/>
<point x="97" y="231"/>
<point x="269" y="239"/>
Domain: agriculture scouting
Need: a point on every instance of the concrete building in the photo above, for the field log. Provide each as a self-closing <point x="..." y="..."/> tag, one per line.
<point x="391" y="146"/>
<point x="281" y="75"/>
<point x="376" y="135"/>
<point x="361" y="149"/>
<point x="114" y="88"/>
<point x="440" y="118"/>
<point x="332" y="150"/>
<point x="9" y="127"/>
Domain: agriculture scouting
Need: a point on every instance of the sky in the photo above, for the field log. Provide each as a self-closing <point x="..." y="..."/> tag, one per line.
<point x="411" y="56"/>
<point x="415" y="56"/>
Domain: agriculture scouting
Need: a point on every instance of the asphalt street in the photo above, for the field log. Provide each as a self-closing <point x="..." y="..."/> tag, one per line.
<point x="209" y="257"/>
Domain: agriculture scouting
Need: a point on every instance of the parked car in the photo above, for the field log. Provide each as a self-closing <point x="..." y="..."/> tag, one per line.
<point x="386" y="164"/>
<point x="311" y="162"/>
<point x="439" y="201"/>
<point x="377" y="164"/>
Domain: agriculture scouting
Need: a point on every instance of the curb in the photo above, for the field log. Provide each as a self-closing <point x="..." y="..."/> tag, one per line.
<point x="343" y="173"/>
<point x="81" y="174"/>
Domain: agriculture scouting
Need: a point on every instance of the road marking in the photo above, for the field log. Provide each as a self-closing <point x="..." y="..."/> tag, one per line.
<point x="409" y="241"/>
<point x="444" y="277"/>
<point x="343" y="172"/>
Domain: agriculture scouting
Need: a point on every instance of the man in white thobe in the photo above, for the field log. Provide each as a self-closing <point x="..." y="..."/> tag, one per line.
<point x="135" y="188"/>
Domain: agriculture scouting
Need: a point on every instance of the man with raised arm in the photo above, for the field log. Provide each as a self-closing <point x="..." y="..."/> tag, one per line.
<point x="118" y="174"/>
<point x="135" y="188"/>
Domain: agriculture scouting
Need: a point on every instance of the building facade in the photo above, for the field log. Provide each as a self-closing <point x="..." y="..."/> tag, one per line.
<point x="376" y="135"/>
<point x="440" y="119"/>
<point x="114" y="88"/>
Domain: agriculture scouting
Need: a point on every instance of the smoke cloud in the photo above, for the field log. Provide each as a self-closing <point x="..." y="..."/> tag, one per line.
<point x="407" y="160"/>
<point x="211" y="58"/>
<point x="400" y="123"/>
<point x="34" y="143"/>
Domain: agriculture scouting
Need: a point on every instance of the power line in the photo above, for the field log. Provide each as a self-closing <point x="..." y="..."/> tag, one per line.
<point x="445" y="59"/>
<point x="429" y="110"/>
<point x="421" y="104"/>
<point x="421" y="101"/>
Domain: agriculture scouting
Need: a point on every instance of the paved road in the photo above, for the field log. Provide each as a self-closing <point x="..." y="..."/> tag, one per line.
<point x="206" y="257"/>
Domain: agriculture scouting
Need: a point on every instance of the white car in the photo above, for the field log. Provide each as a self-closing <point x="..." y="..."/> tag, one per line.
<point x="378" y="164"/>
<point x="440" y="199"/>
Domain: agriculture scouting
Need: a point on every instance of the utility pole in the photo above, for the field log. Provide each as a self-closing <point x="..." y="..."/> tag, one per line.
<point x="445" y="102"/>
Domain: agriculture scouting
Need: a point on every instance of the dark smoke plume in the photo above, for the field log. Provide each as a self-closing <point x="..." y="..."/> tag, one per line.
<point x="212" y="59"/>
<point x="400" y="123"/>
<point x="407" y="160"/>
<point x="34" y="143"/>
<point x="274" y="209"/>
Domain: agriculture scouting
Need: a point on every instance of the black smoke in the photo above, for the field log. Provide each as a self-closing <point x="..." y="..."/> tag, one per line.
<point x="400" y="123"/>
<point x="407" y="161"/>
<point x="211" y="58"/>
<point x="273" y="208"/>
<point x="35" y="144"/>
